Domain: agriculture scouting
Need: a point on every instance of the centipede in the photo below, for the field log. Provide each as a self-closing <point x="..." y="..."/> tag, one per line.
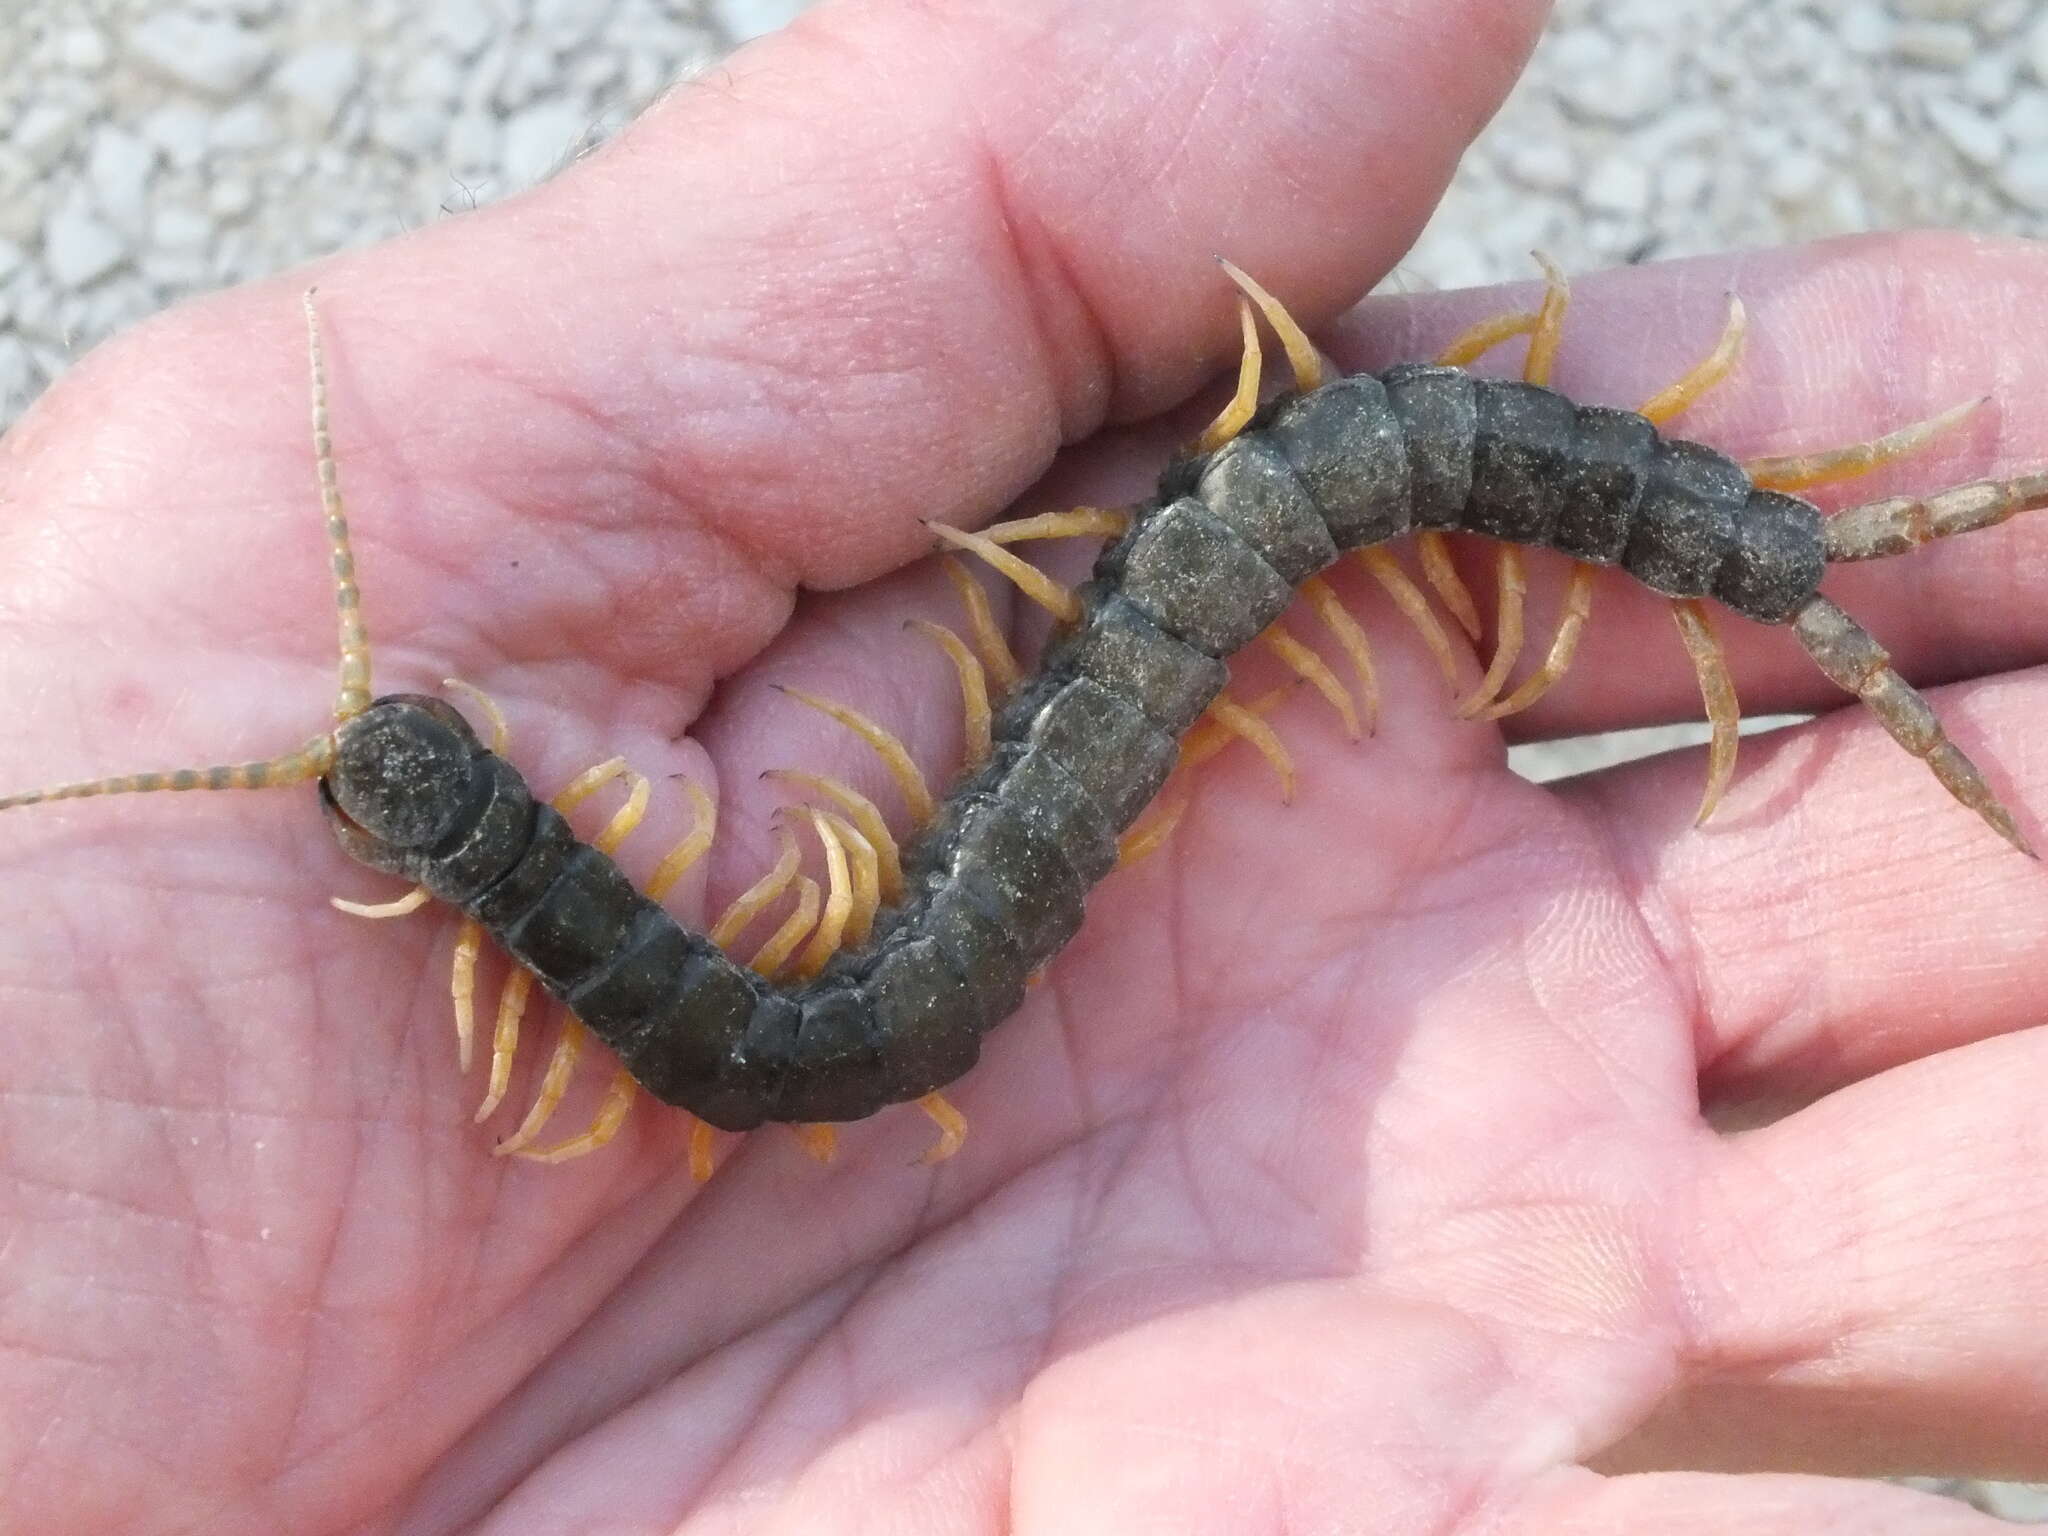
<point x="878" y="985"/>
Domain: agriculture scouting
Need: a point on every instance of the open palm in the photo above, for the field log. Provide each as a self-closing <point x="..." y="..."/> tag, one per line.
<point x="1349" y="1172"/>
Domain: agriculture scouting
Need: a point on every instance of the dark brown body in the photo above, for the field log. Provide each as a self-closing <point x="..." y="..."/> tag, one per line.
<point x="998" y="883"/>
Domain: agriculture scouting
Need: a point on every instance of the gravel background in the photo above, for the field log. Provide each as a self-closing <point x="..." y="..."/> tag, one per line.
<point x="151" y="149"/>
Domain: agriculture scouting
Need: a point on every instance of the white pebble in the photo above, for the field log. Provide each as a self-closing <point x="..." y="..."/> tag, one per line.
<point x="119" y="168"/>
<point x="1973" y="135"/>
<point x="2025" y="121"/>
<point x="1541" y="163"/>
<point x="463" y="25"/>
<point x="1935" y="44"/>
<point x="541" y="140"/>
<point x="11" y="258"/>
<point x="179" y="229"/>
<point x="745" y="19"/>
<point x="215" y="58"/>
<point x="1619" y="184"/>
<point x="181" y="131"/>
<point x="408" y="129"/>
<point x="2024" y="179"/>
<point x="83" y="49"/>
<point x="2037" y="49"/>
<point x="1796" y="177"/>
<point x="231" y="197"/>
<point x="247" y="125"/>
<point x="1941" y="10"/>
<point x="318" y="79"/>
<point x="474" y="143"/>
<point x="1866" y="29"/>
<point x="79" y="247"/>
<point x="45" y="132"/>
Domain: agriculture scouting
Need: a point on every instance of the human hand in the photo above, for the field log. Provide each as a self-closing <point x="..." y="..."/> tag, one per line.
<point x="1347" y="1172"/>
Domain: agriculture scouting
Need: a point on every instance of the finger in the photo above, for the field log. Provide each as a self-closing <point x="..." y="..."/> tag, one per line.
<point x="1866" y="1281"/>
<point x="1702" y="1504"/>
<point x="1847" y="339"/>
<point x="1840" y="914"/>
<point x="873" y="272"/>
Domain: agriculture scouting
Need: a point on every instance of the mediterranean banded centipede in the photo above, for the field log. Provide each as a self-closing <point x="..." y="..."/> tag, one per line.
<point x="996" y="883"/>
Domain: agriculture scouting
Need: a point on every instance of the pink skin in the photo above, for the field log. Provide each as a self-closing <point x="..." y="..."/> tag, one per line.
<point x="1349" y="1171"/>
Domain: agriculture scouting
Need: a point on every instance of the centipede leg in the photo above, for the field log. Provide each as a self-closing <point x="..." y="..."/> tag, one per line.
<point x="917" y="794"/>
<point x="1564" y="645"/>
<point x="1796" y="472"/>
<point x="1310" y="372"/>
<point x="1351" y="636"/>
<point x="611" y="1115"/>
<point x="703" y="1152"/>
<point x="996" y="656"/>
<point x="1244" y="402"/>
<point x="1386" y="570"/>
<point x="1054" y="597"/>
<point x="820" y="1142"/>
<point x="569" y="1047"/>
<point x="1853" y="660"/>
<point x="1514" y="586"/>
<point x="1718" y="690"/>
<point x="1314" y="671"/>
<point x="977" y="723"/>
<point x="1703" y="375"/>
<point x="865" y="815"/>
<point x="952" y="1128"/>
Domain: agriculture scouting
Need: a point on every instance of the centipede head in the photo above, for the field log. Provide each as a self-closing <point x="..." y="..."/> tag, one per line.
<point x="400" y="778"/>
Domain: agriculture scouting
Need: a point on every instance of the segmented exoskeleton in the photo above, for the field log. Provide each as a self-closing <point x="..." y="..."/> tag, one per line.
<point x="997" y="880"/>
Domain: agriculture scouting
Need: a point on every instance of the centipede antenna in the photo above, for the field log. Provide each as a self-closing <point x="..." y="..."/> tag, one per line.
<point x="316" y="756"/>
<point x="1893" y="526"/>
<point x="354" y="696"/>
<point x="1853" y="660"/>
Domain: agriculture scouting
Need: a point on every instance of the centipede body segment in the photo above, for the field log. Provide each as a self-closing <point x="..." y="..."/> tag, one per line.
<point x="914" y="954"/>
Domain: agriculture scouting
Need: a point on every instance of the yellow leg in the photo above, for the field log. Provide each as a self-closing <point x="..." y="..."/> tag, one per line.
<point x="1414" y="607"/>
<point x="1244" y="404"/>
<point x="703" y="1152"/>
<point x="1242" y="723"/>
<point x="1314" y="671"/>
<point x="838" y="900"/>
<point x="1718" y="689"/>
<point x="611" y="1114"/>
<point x="865" y="815"/>
<point x="1150" y="835"/>
<point x="917" y="795"/>
<point x="782" y="943"/>
<point x="1302" y="356"/>
<point x="976" y="721"/>
<point x="505" y="1039"/>
<point x="1211" y="734"/>
<point x="1475" y="341"/>
<point x="404" y="906"/>
<point x="820" y="1142"/>
<point x="866" y="867"/>
<point x="751" y="902"/>
<point x="1578" y="606"/>
<point x="1514" y="587"/>
<point x="554" y="1084"/>
<point x="1433" y="548"/>
<point x="1338" y="620"/>
<point x="1075" y="523"/>
<point x="501" y="733"/>
<point x="1055" y="599"/>
<point x="994" y="650"/>
<point x="684" y="856"/>
<point x="1706" y="373"/>
<point x="469" y="941"/>
<point x="1796" y="472"/>
<point x="952" y="1128"/>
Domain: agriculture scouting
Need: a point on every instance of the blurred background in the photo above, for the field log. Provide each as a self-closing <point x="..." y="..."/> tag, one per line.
<point x="152" y="149"/>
